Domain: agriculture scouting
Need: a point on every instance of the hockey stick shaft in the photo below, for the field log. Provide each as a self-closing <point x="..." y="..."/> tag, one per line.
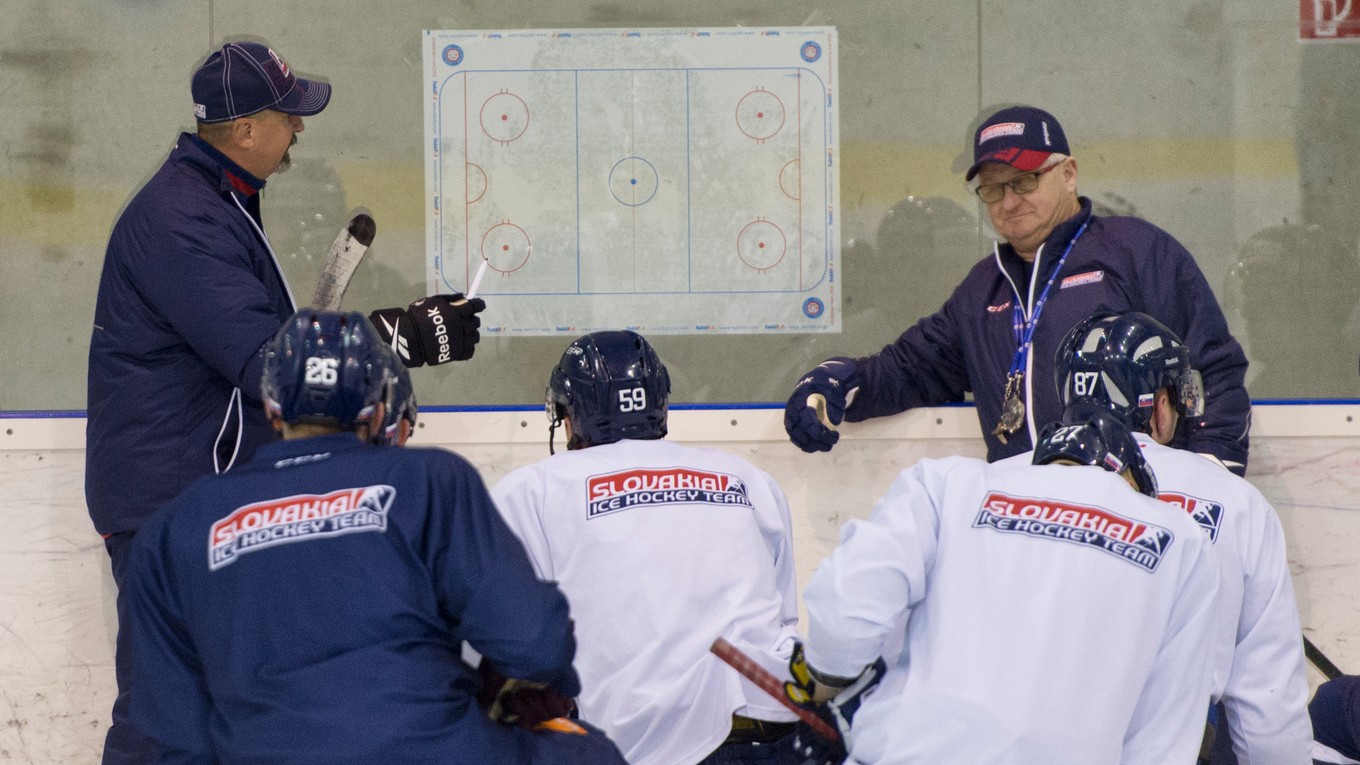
<point x="1320" y="660"/>
<point x="344" y="256"/>
<point x="766" y="681"/>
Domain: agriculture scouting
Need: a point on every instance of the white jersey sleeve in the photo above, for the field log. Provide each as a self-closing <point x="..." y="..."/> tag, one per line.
<point x="1266" y="696"/>
<point x="1259" y="674"/>
<point x="518" y="497"/>
<point x="777" y="528"/>
<point x="866" y="587"/>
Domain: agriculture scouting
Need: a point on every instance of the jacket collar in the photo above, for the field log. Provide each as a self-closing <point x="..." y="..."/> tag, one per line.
<point x="217" y="166"/>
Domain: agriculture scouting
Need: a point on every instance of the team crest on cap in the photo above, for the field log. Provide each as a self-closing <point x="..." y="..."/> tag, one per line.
<point x="1209" y="515"/>
<point x="1137" y="543"/>
<point x="638" y="487"/>
<point x="282" y="66"/>
<point x="1000" y="129"/>
<point x="299" y="518"/>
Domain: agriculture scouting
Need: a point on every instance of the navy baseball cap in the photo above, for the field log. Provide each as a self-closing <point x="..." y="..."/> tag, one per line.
<point x="1020" y="136"/>
<point x="246" y="77"/>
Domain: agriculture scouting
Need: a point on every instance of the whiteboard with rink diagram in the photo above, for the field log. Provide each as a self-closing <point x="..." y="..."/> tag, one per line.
<point x="669" y="181"/>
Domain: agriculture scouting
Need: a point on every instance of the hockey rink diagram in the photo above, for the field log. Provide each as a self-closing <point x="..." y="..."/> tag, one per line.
<point x="668" y="197"/>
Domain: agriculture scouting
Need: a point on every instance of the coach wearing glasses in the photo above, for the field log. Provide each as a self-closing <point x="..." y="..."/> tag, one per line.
<point x="996" y="335"/>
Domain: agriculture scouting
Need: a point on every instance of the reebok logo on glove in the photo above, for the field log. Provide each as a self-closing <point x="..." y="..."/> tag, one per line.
<point x="441" y="334"/>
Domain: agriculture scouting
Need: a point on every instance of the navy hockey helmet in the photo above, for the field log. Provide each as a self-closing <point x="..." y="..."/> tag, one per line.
<point x="326" y="367"/>
<point x="1100" y="438"/>
<point x="1118" y="362"/>
<point x="613" y="386"/>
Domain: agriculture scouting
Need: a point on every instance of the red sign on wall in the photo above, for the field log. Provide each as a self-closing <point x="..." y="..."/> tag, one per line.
<point x="1329" y="19"/>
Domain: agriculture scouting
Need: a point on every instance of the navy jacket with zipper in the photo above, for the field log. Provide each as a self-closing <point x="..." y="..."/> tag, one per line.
<point x="189" y="294"/>
<point x="1117" y="264"/>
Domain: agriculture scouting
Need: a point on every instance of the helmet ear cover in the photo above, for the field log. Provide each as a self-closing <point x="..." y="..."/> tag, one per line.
<point x="401" y="406"/>
<point x="327" y="367"/>
<point x="613" y="386"/>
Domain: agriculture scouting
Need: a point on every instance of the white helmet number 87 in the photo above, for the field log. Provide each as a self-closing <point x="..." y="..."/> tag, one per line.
<point x="1084" y="383"/>
<point x="321" y="371"/>
<point x="632" y="400"/>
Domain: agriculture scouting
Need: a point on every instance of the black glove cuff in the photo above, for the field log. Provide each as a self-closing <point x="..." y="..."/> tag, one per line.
<point x="398" y="322"/>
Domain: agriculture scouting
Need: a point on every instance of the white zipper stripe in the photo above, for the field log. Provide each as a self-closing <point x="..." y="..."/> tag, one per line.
<point x="235" y="400"/>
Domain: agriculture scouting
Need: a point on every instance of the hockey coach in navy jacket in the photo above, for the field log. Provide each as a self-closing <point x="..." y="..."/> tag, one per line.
<point x="189" y="294"/>
<point x="997" y="334"/>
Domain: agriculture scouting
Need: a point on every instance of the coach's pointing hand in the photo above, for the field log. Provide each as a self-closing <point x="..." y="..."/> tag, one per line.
<point x="433" y="330"/>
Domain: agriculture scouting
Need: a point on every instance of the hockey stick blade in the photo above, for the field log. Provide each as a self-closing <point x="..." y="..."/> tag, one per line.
<point x="1320" y="660"/>
<point x="766" y="681"/>
<point x="344" y="256"/>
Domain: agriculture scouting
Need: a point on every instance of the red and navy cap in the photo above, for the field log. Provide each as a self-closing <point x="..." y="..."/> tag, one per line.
<point x="1020" y="136"/>
<point x="246" y="77"/>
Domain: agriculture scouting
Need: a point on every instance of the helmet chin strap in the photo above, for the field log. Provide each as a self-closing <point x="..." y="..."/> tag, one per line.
<point x="573" y="441"/>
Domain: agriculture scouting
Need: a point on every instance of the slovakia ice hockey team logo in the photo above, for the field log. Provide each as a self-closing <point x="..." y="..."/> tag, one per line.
<point x="298" y="518"/>
<point x="1141" y="544"/>
<point x="1209" y="515"/>
<point x="640" y="487"/>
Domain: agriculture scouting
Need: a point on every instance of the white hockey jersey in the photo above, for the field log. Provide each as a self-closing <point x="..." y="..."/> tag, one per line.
<point x="1259" y="671"/>
<point x="1051" y="614"/>
<point x="660" y="548"/>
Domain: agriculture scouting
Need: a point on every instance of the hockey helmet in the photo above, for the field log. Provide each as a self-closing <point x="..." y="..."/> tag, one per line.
<point x="613" y="386"/>
<point x="1118" y="362"/>
<point x="1099" y="438"/>
<point x="326" y="367"/>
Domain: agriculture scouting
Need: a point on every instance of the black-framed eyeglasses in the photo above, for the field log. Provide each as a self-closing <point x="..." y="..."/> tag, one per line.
<point x="1020" y="184"/>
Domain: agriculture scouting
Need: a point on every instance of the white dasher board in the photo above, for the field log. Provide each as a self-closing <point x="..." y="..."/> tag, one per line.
<point x="663" y="180"/>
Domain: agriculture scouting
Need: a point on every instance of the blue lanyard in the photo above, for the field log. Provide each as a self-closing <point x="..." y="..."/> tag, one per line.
<point x="1024" y="330"/>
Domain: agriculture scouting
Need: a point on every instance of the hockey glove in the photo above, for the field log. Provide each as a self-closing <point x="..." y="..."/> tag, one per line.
<point x="834" y="699"/>
<point x="818" y="404"/>
<point x="812" y="748"/>
<point x="522" y="703"/>
<point x="433" y="330"/>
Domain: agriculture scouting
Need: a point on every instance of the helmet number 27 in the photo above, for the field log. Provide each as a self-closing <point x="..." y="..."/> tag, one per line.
<point x="633" y="400"/>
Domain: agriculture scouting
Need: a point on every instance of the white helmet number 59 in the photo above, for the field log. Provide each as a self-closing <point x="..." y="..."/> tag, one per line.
<point x="632" y="400"/>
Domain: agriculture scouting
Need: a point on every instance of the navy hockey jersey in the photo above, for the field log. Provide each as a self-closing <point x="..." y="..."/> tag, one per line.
<point x="309" y="606"/>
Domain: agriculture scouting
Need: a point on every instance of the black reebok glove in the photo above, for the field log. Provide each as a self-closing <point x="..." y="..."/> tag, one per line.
<point x="433" y="330"/>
